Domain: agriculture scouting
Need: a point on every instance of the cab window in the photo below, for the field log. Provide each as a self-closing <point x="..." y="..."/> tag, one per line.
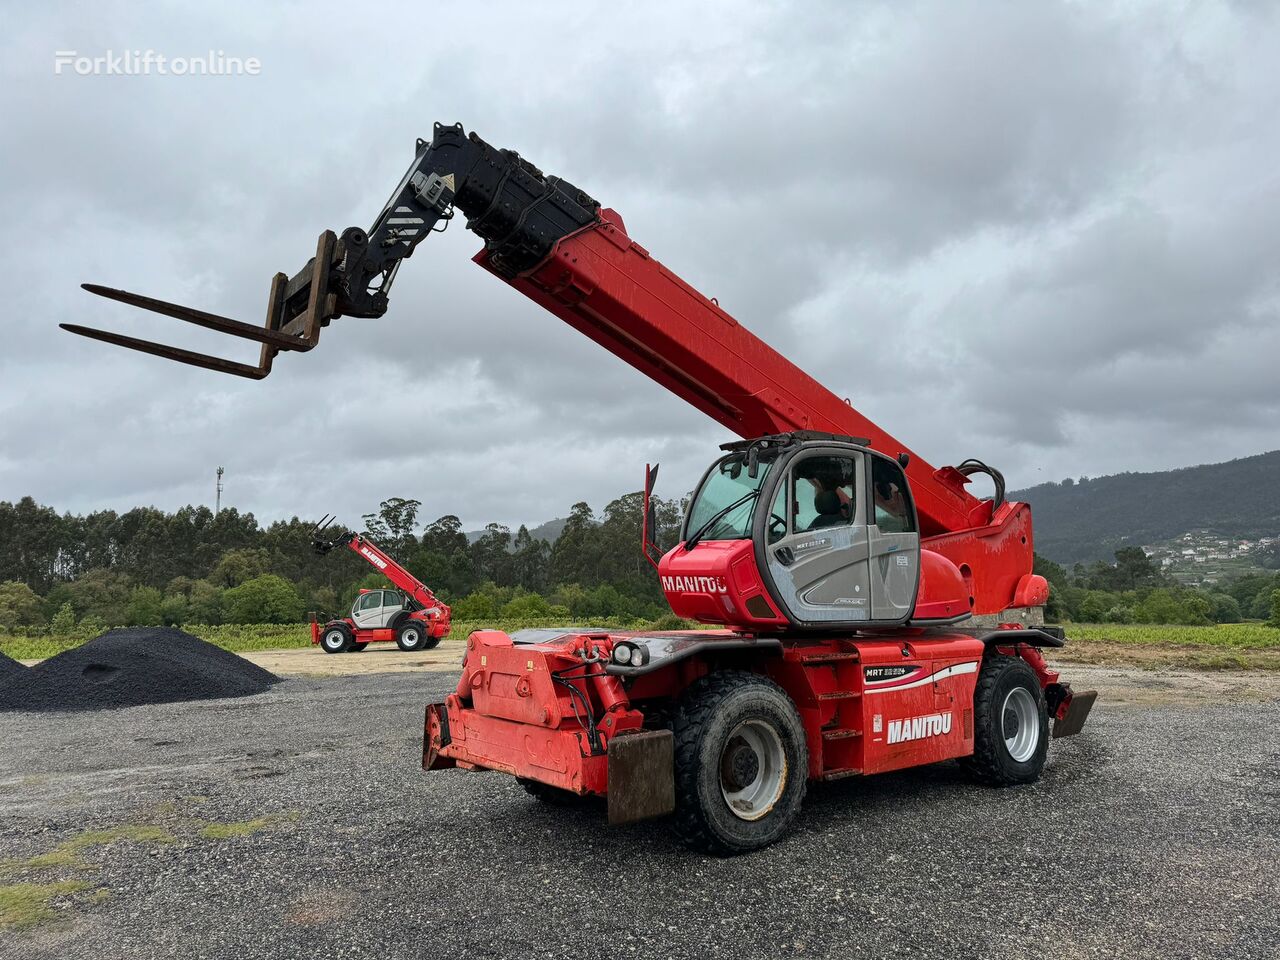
<point x="823" y="493"/>
<point x="724" y="506"/>
<point x="392" y="598"/>
<point x="777" y="527"/>
<point x="370" y="601"/>
<point x="891" y="497"/>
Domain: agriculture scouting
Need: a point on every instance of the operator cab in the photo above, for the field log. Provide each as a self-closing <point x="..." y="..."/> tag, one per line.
<point x="375" y="609"/>
<point x="805" y="530"/>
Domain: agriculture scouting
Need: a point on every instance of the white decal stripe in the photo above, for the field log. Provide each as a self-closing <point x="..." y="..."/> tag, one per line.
<point x="952" y="671"/>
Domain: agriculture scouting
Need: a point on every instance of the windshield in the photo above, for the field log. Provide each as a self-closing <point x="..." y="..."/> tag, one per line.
<point x="727" y="483"/>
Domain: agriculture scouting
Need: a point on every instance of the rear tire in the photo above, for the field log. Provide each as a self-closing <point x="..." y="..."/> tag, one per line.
<point x="411" y="636"/>
<point x="335" y="639"/>
<point x="431" y="643"/>
<point x="1010" y="724"/>
<point x="359" y="647"/>
<point x="742" y="765"/>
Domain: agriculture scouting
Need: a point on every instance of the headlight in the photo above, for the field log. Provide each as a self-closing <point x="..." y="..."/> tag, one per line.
<point x="628" y="654"/>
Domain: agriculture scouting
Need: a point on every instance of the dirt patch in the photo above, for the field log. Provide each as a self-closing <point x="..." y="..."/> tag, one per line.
<point x="320" y="909"/>
<point x="126" y="668"/>
<point x="1161" y="685"/>
<point x="1168" y="655"/>
<point x="376" y="658"/>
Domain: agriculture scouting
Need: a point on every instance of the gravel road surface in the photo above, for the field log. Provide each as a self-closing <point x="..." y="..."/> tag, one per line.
<point x="298" y="823"/>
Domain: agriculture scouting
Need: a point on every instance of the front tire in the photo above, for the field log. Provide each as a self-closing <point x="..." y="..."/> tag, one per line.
<point x="741" y="763"/>
<point x="1010" y="724"/>
<point x="411" y="636"/>
<point x="335" y="639"/>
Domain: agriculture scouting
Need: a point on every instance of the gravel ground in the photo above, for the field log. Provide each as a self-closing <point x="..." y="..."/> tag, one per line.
<point x="302" y="825"/>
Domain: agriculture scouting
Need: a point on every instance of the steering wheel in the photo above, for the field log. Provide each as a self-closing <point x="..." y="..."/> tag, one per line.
<point x="775" y="520"/>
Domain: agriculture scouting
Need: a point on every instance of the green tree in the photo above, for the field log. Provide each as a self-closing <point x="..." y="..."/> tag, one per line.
<point x="392" y="526"/>
<point x="1224" y="608"/>
<point x="237" y="566"/>
<point x="64" y="621"/>
<point x="1275" y="609"/>
<point x="263" y="599"/>
<point x="173" y="610"/>
<point x="19" y="605"/>
<point x="145" y="608"/>
<point x="101" y="593"/>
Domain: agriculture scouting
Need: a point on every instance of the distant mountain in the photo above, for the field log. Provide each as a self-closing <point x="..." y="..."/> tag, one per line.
<point x="549" y="531"/>
<point x="1090" y="519"/>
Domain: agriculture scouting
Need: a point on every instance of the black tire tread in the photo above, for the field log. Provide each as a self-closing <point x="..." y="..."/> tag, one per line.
<point x="346" y="632"/>
<point x="984" y="765"/>
<point x="699" y="702"/>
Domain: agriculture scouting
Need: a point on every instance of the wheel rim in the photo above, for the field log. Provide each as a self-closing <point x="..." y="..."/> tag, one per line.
<point x="753" y="769"/>
<point x="333" y="639"/>
<point x="411" y="636"/>
<point x="1020" y="724"/>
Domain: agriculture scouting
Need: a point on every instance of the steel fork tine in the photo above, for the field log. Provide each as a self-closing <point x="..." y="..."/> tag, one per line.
<point x="169" y="353"/>
<point x="211" y="321"/>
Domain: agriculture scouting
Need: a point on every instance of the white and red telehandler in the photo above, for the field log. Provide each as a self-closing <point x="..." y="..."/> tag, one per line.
<point x="411" y="615"/>
<point x="869" y="613"/>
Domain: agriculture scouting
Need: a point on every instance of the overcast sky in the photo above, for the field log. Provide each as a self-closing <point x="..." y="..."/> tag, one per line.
<point x="1042" y="234"/>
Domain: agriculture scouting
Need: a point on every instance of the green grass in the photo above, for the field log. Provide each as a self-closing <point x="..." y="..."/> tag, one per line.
<point x="268" y="636"/>
<point x="24" y="905"/>
<point x="67" y="853"/>
<point x="242" y="828"/>
<point x="1254" y="636"/>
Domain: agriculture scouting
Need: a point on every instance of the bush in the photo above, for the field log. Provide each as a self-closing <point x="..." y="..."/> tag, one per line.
<point x="19" y="605"/>
<point x="1226" y="609"/>
<point x="145" y="607"/>
<point x="263" y="599"/>
<point x="63" y="622"/>
<point x="669" y="621"/>
<point x="1275" y="609"/>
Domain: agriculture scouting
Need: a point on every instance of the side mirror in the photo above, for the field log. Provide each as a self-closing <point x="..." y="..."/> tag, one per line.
<point x="903" y="460"/>
<point x="649" y="531"/>
<point x="753" y="461"/>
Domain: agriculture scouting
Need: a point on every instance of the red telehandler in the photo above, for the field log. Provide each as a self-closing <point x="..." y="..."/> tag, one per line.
<point x="412" y="616"/>
<point x="872" y="614"/>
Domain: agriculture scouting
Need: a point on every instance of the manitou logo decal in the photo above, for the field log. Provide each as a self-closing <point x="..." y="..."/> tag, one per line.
<point x="919" y="728"/>
<point x="694" y="585"/>
<point x="373" y="558"/>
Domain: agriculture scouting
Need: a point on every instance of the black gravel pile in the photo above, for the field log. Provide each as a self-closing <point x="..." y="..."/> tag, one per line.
<point x="9" y="668"/>
<point x="125" y="668"/>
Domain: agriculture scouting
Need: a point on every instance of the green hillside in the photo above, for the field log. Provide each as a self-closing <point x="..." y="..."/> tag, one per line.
<point x="1090" y="519"/>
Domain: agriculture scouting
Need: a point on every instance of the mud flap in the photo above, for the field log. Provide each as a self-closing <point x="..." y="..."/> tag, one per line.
<point x="1071" y="722"/>
<point x="435" y="736"/>
<point x="641" y="776"/>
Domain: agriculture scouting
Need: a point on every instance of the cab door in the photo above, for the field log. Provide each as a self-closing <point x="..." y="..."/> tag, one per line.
<point x="367" y="612"/>
<point x="816" y="539"/>
<point x="894" y="541"/>
<point x="392" y="603"/>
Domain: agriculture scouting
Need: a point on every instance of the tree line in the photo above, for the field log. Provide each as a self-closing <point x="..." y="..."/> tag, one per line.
<point x="149" y="566"/>
<point x="1133" y="589"/>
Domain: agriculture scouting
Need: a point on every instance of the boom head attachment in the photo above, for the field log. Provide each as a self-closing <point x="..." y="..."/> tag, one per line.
<point x="517" y="210"/>
<point x="319" y="544"/>
<point x="298" y="307"/>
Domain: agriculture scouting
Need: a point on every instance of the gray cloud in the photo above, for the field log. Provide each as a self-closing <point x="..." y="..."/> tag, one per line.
<point x="1039" y="234"/>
